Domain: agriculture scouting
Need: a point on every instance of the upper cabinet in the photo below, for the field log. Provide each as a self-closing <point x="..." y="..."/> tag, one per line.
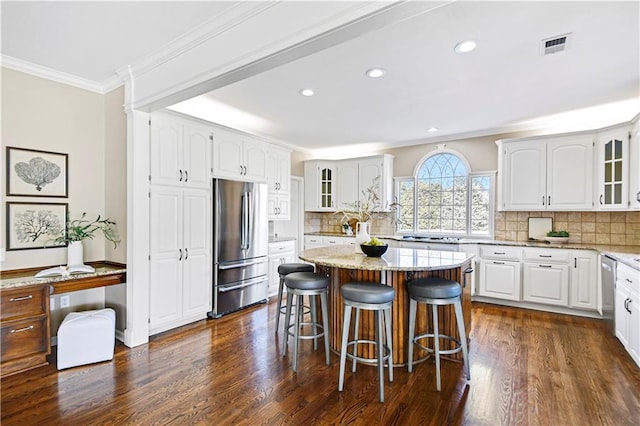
<point x="613" y="168"/>
<point x="357" y="175"/>
<point x="239" y="157"/>
<point x="279" y="181"/>
<point x="180" y="153"/>
<point x="554" y="173"/>
<point x="319" y="185"/>
<point x="339" y="185"/>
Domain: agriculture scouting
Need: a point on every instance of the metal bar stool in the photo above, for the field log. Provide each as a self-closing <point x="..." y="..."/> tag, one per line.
<point x="284" y="270"/>
<point x="372" y="297"/>
<point x="436" y="291"/>
<point x="302" y="284"/>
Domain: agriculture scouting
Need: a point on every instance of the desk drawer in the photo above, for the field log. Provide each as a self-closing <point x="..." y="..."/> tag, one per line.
<point x="25" y="337"/>
<point x="24" y="302"/>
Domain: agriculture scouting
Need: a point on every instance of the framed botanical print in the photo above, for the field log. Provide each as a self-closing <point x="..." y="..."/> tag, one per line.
<point x="32" y="173"/>
<point x="35" y="225"/>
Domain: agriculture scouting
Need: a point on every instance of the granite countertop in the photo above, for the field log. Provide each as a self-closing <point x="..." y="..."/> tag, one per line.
<point x="281" y="239"/>
<point x="395" y="259"/>
<point x="623" y="254"/>
<point x="26" y="277"/>
<point x="603" y="248"/>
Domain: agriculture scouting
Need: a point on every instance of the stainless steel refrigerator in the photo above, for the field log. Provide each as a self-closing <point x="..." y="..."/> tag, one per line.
<point x="240" y="245"/>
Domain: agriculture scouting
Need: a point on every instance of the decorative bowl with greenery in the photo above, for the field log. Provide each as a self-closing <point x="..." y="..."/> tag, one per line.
<point x="557" y="236"/>
<point x="86" y="229"/>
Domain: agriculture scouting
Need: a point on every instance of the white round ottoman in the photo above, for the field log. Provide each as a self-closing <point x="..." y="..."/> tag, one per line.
<point x="86" y="337"/>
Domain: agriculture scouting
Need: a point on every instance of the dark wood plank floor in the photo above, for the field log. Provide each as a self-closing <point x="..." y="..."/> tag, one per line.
<point x="527" y="368"/>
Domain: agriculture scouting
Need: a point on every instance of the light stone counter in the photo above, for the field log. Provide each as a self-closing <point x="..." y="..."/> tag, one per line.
<point x="395" y="259"/>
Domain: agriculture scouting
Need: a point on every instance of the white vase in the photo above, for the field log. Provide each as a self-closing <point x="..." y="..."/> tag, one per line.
<point x="362" y="234"/>
<point x="75" y="253"/>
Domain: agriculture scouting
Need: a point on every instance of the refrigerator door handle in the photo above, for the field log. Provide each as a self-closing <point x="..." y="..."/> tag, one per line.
<point x="249" y="222"/>
<point x="241" y="264"/>
<point x="246" y="283"/>
<point x="243" y="223"/>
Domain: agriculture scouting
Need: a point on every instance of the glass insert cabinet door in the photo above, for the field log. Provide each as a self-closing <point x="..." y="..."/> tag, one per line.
<point x="613" y="173"/>
<point x="326" y="188"/>
<point x="613" y="184"/>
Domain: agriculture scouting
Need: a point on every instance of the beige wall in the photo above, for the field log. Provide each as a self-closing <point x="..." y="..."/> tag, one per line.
<point x="91" y="128"/>
<point x="44" y="115"/>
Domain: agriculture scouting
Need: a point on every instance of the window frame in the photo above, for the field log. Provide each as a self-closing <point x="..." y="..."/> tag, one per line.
<point x="398" y="181"/>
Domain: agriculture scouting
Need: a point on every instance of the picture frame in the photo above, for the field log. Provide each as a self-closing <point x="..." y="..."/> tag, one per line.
<point x="35" y="225"/>
<point x="33" y="173"/>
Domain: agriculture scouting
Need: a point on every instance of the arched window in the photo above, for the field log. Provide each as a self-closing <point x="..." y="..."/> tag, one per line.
<point x="445" y="198"/>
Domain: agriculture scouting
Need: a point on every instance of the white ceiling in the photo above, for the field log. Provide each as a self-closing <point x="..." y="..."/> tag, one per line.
<point x="504" y="85"/>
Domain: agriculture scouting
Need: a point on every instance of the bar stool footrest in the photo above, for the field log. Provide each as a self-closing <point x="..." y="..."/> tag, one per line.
<point x="455" y="350"/>
<point x="371" y="361"/>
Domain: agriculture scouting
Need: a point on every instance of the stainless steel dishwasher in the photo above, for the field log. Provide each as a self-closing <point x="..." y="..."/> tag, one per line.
<point x="608" y="270"/>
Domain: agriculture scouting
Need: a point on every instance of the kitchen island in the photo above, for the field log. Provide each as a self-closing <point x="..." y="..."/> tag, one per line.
<point x="395" y="268"/>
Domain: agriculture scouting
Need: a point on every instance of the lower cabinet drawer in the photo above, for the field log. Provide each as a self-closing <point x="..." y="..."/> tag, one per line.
<point x="23" y="338"/>
<point x="23" y="302"/>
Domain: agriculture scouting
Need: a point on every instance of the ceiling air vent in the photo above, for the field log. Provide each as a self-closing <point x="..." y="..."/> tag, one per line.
<point x="555" y="44"/>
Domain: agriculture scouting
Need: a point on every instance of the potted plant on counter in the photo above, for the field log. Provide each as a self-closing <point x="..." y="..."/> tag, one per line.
<point x="557" y="236"/>
<point x="82" y="229"/>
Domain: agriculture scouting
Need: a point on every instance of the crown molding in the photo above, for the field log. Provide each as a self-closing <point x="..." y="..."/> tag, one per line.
<point x="59" y="76"/>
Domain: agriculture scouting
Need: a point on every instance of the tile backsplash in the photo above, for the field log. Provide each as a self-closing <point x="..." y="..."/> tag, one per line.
<point x="615" y="228"/>
<point x="330" y="222"/>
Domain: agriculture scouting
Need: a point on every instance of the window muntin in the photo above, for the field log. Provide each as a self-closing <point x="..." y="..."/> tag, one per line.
<point x="445" y="198"/>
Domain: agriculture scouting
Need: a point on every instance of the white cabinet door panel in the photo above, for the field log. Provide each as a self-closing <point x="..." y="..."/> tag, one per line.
<point x="546" y="283"/>
<point x="570" y="174"/>
<point x="524" y="180"/>
<point x="166" y="151"/>
<point x="197" y="151"/>
<point x="500" y="279"/>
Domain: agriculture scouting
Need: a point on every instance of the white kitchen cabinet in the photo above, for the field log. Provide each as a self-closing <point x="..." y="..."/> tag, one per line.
<point x="500" y="272"/>
<point x="357" y="175"/>
<point x="627" y="309"/>
<point x="554" y="173"/>
<point x="279" y="207"/>
<point x="319" y="186"/>
<point x="613" y="168"/>
<point x="545" y="276"/>
<point x="583" y="285"/>
<point x="278" y="181"/>
<point x="278" y="170"/>
<point x="279" y="253"/>
<point x="239" y="157"/>
<point x="347" y="189"/>
<point x="314" y="241"/>
<point x="180" y="153"/>
<point x="546" y="283"/>
<point x="180" y="258"/>
<point x="500" y="279"/>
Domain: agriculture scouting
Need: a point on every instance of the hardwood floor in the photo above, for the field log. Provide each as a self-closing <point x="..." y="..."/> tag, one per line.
<point x="527" y="368"/>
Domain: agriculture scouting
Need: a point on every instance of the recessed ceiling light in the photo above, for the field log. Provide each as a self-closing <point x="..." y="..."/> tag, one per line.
<point x="376" y="72"/>
<point x="465" y="46"/>
<point x="307" y="92"/>
<point x="432" y="129"/>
